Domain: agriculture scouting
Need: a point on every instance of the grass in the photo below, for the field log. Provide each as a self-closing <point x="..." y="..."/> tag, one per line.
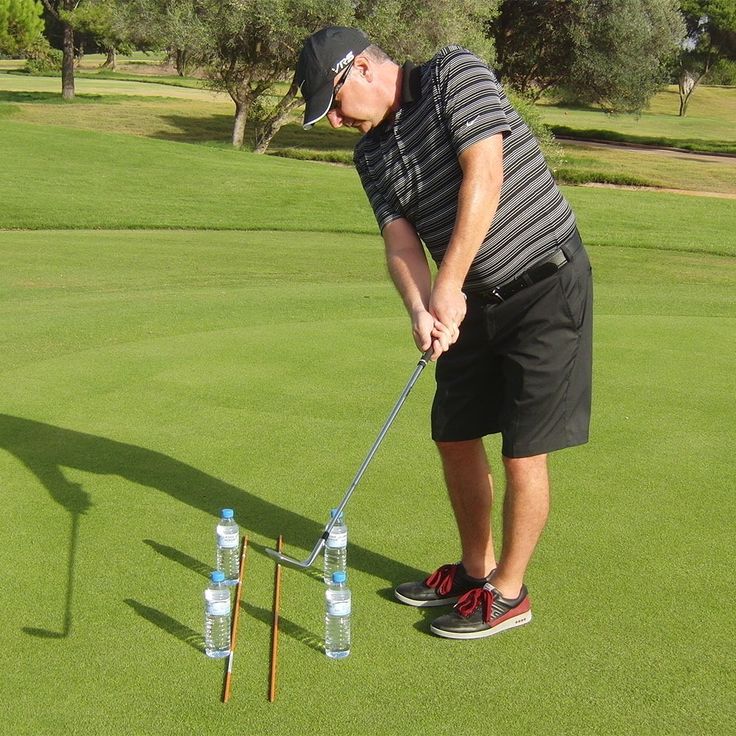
<point x="150" y="375"/>
<point x="200" y="116"/>
<point x="186" y="327"/>
<point x="589" y="162"/>
<point x="708" y="126"/>
<point x="198" y="187"/>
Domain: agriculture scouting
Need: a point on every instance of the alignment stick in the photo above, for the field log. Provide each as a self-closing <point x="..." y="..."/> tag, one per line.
<point x="236" y="618"/>
<point x="275" y="630"/>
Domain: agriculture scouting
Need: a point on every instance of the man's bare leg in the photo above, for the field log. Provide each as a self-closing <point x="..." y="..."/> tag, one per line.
<point x="470" y="489"/>
<point x="525" y="511"/>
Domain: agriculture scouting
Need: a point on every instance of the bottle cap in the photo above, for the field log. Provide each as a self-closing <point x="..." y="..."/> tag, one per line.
<point x="333" y="512"/>
<point x="227" y="513"/>
<point x="217" y="576"/>
<point x="339" y="577"/>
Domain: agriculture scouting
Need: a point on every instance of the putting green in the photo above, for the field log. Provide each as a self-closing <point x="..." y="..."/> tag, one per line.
<point x="152" y="377"/>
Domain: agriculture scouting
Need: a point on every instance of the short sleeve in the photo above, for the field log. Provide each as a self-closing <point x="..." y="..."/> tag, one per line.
<point x="384" y="213"/>
<point x="468" y="98"/>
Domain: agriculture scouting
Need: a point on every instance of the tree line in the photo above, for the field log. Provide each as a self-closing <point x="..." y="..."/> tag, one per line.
<point x="613" y="53"/>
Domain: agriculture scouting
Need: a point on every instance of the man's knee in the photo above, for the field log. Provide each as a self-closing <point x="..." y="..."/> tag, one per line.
<point x="458" y="450"/>
<point x="533" y="461"/>
<point x="522" y="469"/>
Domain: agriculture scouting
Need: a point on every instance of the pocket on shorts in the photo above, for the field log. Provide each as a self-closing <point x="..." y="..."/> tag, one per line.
<point x="575" y="280"/>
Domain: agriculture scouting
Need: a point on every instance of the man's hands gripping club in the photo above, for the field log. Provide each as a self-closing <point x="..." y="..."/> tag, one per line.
<point x="438" y="311"/>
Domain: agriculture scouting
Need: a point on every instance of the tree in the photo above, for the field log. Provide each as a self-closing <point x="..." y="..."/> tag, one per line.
<point x="405" y="29"/>
<point x="60" y="10"/>
<point x="534" y="41"/>
<point x="711" y="37"/>
<point x="101" y="20"/>
<point x="176" y="26"/>
<point x="623" y="49"/>
<point x="610" y="52"/>
<point x="252" y="45"/>
<point x="21" y="25"/>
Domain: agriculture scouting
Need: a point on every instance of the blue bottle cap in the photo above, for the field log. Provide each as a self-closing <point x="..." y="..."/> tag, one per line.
<point x="333" y="512"/>
<point x="227" y="513"/>
<point x="218" y="576"/>
<point x="339" y="577"/>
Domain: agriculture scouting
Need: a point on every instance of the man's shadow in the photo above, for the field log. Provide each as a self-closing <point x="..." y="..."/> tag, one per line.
<point x="45" y="450"/>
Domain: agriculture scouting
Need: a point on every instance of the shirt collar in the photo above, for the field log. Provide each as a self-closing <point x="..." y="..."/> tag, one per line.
<point x="411" y="84"/>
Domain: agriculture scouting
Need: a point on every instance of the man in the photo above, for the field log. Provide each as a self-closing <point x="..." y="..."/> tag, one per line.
<point x="448" y="164"/>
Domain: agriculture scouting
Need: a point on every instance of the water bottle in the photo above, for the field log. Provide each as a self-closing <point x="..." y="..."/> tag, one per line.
<point x="217" y="617"/>
<point x="337" y="617"/>
<point x="228" y="536"/>
<point x="336" y="548"/>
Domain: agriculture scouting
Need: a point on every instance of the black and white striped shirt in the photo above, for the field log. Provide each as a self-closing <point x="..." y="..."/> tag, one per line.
<point x="410" y="169"/>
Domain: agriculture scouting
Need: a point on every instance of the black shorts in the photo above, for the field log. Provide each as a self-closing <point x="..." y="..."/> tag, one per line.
<point x="522" y="367"/>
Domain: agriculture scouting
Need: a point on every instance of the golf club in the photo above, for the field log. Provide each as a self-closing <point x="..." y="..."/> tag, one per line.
<point x="304" y="564"/>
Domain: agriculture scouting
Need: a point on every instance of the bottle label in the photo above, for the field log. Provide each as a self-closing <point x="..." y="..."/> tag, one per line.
<point x="337" y="540"/>
<point x="339" y="608"/>
<point x="228" y="540"/>
<point x="218" y="608"/>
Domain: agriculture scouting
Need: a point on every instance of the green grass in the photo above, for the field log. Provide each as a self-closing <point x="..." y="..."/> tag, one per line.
<point x="708" y="126"/>
<point x="200" y="116"/>
<point x="187" y="327"/>
<point x="589" y="162"/>
<point x="198" y="187"/>
<point x="160" y="375"/>
<point x="97" y="84"/>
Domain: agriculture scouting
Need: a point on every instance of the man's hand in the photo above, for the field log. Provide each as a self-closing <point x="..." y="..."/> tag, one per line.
<point x="447" y="305"/>
<point x="427" y="334"/>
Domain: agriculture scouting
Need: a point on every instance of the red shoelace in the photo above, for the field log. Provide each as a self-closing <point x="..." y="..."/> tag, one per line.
<point x="467" y="604"/>
<point x="442" y="579"/>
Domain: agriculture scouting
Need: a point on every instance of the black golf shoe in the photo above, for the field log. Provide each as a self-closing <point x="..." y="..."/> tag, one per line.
<point x="483" y="612"/>
<point x="442" y="588"/>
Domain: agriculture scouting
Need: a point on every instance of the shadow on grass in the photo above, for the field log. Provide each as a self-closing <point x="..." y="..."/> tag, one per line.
<point x="218" y="128"/>
<point x="50" y="97"/>
<point x="286" y="626"/>
<point x="45" y="449"/>
<point x="168" y="624"/>
<point x="182" y="558"/>
<point x="210" y="129"/>
<point x="164" y="622"/>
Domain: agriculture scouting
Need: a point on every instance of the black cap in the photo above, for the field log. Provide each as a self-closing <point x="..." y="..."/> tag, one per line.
<point x="325" y="54"/>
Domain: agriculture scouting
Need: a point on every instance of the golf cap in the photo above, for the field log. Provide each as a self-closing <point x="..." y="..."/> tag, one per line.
<point x="325" y="54"/>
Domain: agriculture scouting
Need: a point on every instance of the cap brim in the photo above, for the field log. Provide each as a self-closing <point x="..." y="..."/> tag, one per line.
<point x="318" y="106"/>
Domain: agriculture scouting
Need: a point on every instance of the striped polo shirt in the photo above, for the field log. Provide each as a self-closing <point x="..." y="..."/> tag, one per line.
<point x="409" y="168"/>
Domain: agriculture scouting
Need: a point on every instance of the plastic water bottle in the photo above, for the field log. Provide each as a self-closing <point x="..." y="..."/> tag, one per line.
<point x="228" y="537"/>
<point x="217" y="617"/>
<point x="337" y="617"/>
<point x="336" y="548"/>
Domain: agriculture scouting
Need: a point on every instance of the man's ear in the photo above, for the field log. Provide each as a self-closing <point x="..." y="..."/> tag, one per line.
<point x="363" y="67"/>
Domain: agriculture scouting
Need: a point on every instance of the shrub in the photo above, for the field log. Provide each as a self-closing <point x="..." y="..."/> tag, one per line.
<point x="42" y="59"/>
<point x="723" y="72"/>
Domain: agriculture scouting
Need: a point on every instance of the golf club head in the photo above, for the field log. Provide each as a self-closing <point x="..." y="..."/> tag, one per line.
<point x="283" y="559"/>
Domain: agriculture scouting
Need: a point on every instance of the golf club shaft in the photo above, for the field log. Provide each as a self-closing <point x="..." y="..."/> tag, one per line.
<point x="421" y="365"/>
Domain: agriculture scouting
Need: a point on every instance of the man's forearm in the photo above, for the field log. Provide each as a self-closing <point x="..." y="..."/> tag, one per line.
<point x="477" y="203"/>
<point x="407" y="265"/>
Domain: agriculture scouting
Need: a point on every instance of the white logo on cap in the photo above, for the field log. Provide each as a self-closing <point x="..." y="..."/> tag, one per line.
<point x="343" y="62"/>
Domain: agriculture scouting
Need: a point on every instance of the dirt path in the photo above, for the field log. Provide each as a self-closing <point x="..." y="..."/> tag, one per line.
<point x="691" y="192"/>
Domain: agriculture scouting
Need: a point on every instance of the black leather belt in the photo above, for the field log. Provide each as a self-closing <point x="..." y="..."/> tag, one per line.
<point x="533" y="275"/>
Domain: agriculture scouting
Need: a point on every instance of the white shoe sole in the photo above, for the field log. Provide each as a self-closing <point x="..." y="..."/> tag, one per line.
<point x="511" y="623"/>
<point x="425" y="604"/>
